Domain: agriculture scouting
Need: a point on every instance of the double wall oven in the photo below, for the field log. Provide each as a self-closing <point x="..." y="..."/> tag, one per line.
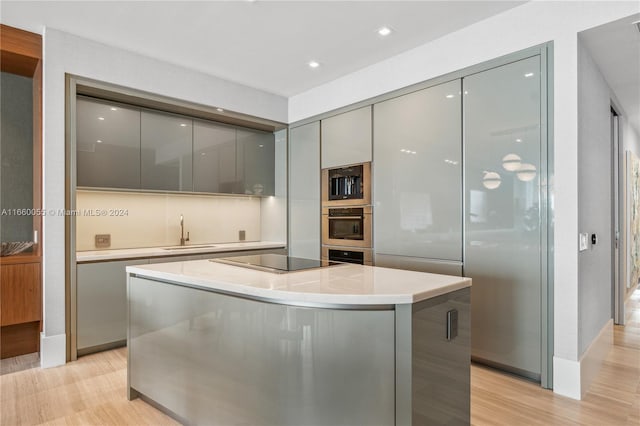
<point x="347" y="214"/>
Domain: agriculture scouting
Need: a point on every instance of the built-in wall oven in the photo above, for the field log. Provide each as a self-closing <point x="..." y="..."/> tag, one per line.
<point x="347" y="214"/>
<point x="346" y="226"/>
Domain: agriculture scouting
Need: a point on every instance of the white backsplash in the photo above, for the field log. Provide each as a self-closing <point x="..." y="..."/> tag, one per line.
<point x="153" y="220"/>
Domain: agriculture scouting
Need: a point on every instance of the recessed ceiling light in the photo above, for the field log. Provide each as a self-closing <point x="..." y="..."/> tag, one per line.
<point x="529" y="74"/>
<point x="100" y="118"/>
<point x="114" y="109"/>
<point x="449" y="96"/>
<point x="99" y="141"/>
<point x="219" y="110"/>
<point x="518" y="140"/>
<point x="314" y="64"/>
<point x="260" y="146"/>
<point x="183" y="125"/>
<point x="385" y="31"/>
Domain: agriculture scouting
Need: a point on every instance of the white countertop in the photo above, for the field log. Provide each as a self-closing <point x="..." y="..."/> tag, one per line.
<point x="342" y="284"/>
<point x="133" y="253"/>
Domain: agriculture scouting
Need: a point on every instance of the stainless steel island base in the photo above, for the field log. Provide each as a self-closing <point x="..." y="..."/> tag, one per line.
<point x="215" y="358"/>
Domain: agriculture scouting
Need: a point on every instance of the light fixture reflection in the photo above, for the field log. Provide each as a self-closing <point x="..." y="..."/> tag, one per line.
<point x="526" y="172"/>
<point x="314" y="64"/>
<point x="114" y="109"/>
<point x="491" y="180"/>
<point x="101" y="118"/>
<point x="219" y="110"/>
<point x="529" y="74"/>
<point x="511" y="162"/>
<point x="450" y="96"/>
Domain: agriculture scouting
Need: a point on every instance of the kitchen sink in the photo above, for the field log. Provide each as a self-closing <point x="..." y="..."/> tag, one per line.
<point x="187" y="247"/>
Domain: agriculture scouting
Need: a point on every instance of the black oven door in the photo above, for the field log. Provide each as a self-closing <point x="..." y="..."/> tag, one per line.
<point x="346" y="224"/>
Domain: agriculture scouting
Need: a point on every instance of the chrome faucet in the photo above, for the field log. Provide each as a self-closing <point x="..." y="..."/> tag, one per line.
<point x="183" y="240"/>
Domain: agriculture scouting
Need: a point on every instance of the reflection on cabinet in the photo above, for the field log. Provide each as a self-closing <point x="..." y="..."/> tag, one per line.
<point x="167" y="150"/>
<point x="304" y="191"/>
<point x="214" y="157"/>
<point x="346" y="138"/>
<point x="107" y="144"/>
<point x="418" y="177"/>
<point x="255" y="162"/>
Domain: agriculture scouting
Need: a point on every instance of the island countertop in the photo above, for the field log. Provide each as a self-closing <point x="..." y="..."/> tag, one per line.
<point x="345" y="284"/>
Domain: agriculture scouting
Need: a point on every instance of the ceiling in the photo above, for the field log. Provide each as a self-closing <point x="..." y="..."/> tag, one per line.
<point x="615" y="47"/>
<point x="262" y="44"/>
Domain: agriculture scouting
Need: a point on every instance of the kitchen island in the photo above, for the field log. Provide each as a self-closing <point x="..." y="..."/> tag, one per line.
<point x="213" y="343"/>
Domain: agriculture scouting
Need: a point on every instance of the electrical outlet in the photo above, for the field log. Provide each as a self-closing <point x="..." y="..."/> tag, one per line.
<point x="103" y="240"/>
<point x="241" y="235"/>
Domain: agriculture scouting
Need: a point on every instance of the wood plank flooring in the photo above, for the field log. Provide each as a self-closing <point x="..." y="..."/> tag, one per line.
<point x="92" y="391"/>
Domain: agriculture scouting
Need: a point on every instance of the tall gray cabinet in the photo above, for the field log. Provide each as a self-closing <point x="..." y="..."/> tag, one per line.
<point x="304" y="191"/>
<point x="418" y="180"/>
<point x="503" y="215"/>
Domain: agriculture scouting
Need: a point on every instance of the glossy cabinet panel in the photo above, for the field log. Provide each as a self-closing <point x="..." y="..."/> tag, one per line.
<point x="418" y="174"/>
<point x="166" y="146"/>
<point x="212" y="357"/>
<point x="214" y="157"/>
<point x="502" y="215"/>
<point x="107" y="144"/>
<point x="255" y="162"/>
<point x="304" y="191"/>
<point x="346" y="138"/>
<point x="102" y="304"/>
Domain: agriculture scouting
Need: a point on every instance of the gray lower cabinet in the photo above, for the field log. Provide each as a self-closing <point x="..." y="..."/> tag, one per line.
<point x="101" y="295"/>
<point x="101" y="291"/>
<point x="204" y="355"/>
<point x="107" y="144"/>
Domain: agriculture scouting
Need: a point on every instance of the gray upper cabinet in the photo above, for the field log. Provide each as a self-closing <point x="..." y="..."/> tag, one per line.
<point x="255" y="162"/>
<point x="107" y="145"/>
<point x="418" y="174"/>
<point x="346" y="138"/>
<point x="214" y="157"/>
<point x="133" y="148"/>
<point x="166" y="146"/>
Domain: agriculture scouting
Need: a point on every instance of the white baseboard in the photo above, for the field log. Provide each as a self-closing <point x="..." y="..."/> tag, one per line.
<point x="53" y="350"/>
<point x="573" y="378"/>
<point x="566" y="377"/>
<point x="592" y="359"/>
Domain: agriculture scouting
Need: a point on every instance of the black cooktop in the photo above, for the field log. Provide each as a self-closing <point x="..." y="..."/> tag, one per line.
<point x="276" y="263"/>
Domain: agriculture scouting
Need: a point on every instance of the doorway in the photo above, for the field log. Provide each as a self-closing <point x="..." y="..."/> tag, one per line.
<point x="618" y="289"/>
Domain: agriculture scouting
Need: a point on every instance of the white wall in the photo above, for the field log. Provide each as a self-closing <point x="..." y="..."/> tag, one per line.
<point x="595" y="198"/>
<point x="65" y="53"/>
<point x="533" y="23"/>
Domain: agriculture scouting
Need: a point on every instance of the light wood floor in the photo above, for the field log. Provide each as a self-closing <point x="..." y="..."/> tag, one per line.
<point x="92" y="391"/>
